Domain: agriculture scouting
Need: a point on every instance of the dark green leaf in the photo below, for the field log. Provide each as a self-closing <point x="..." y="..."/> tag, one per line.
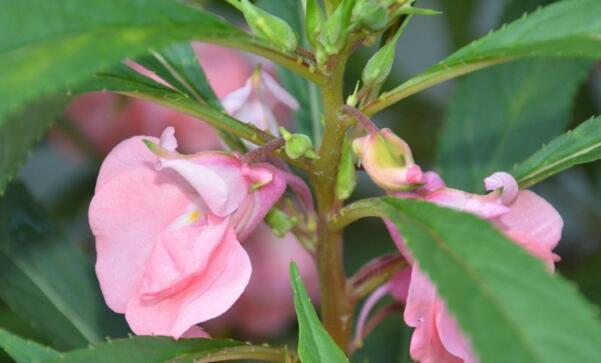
<point x="499" y="116"/>
<point x="578" y="146"/>
<point x="569" y="29"/>
<point x="502" y="297"/>
<point x="314" y="343"/>
<point x="21" y="131"/>
<point x="48" y="281"/>
<point x="25" y="351"/>
<point x="167" y="350"/>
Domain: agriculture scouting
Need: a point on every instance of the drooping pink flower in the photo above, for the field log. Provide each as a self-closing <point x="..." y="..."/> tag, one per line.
<point x="523" y="216"/>
<point x="388" y="160"/>
<point x="265" y="309"/>
<point x="167" y="232"/>
<point x="258" y="101"/>
<point x="105" y="119"/>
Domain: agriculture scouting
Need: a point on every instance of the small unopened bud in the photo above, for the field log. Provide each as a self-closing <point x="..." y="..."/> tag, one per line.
<point x="279" y="222"/>
<point x="334" y="33"/>
<point x="346" y="180"/>
<point x="379" y="65"/>
<point x="298" y="145"/>
<point x="371" y="15"/>
<point x="314" y="21"/>
<point x="270" y="27"/>
<point x="388" y="161"/>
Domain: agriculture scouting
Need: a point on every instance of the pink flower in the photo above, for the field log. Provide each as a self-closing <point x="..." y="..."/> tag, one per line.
<point x="388" y="160"/>
<point x="167" y="231"/>
<point x="105" y="118"/>
<point x="523" y="216"/>
<point x="265" y="309"/>
<point x="258" y="101"/>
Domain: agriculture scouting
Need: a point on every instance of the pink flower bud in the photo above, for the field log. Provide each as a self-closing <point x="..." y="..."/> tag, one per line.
<point x="167" y="229"/>
<point x="388" y="161"/>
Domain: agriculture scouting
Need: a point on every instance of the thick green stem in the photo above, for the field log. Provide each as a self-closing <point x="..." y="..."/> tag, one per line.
<point x="335" y="305"/>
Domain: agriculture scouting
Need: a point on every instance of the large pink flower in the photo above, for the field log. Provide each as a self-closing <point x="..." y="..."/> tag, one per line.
<point x="167" y="229"/>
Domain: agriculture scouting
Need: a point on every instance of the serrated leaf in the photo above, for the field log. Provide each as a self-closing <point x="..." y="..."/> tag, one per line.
<point x="166" y="350"/>
<point x="48" y="281"/>
<point x="25" y="351"/>
<point x="568" y="29"/>
<point x="20" y="133"/>
<point x="499" y="116"/>
<point x="503" y="298"/>
<point x="314" y="343"/>
<point x="578" y="146"/>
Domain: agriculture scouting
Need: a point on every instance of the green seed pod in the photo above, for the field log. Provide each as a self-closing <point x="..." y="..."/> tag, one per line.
<point x="314" y="21"/>
<point x="346" y="180"/>
<point x="269" y="27"/>
<point x="371" y="15"/>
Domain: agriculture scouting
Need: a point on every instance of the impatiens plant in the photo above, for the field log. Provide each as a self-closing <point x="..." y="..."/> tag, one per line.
<point x="233" y="155"/>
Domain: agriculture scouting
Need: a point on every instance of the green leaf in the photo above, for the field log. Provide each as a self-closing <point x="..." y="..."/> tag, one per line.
<point x="21" y="131"/>
<point x="499" y="116"/>
<point x="166" y="350"/>
<point x="48" y="281"/>
<point x="503" y="298"/>
<point x="314" y="343"/>
<point x="178" y="65"/>
<point x="569" y="29"/>
<point x="25" y="351"/>
<point x="578" y="146"/>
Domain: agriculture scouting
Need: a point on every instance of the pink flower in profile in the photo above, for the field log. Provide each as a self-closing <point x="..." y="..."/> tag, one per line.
<point x="388" y="160"/>
<point x="105" y="118"/>
<point x="265" y="309"/>
<point x="523" y="216"/>
<point x="167" y="231"/>
<point x="258" y="101"/>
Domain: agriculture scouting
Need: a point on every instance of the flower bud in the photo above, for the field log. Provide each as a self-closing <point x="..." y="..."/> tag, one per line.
<point x="388" y="161"/>
<point x="270" y="27"/>
<point x="335" y="31"/>
<point x="346" y="180"/>
<point x="279" y="222"/>
<point x="314" y="21"/>
<point x="297" y="145"/>
<point x="379" y="65"/>
<point x="371" y="15"/>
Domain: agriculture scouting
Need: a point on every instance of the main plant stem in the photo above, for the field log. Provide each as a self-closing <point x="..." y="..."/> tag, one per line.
<point x="335" y="305"/>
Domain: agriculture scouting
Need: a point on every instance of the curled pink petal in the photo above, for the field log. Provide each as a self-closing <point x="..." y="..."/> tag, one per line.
<point x="369" y="304"/>
<point x="504" y="181"/>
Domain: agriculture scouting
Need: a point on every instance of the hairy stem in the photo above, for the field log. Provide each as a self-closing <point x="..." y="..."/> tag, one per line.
<point x="335" y="306"/>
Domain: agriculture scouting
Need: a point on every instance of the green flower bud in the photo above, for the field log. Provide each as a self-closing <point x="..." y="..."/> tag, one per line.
<point x="279" y="222"/>
<point x="314" y="21"/>
<point x="298" y="145"/>
<point x="379" y="65"/>
<point x="371" y="15"/>
<point x="269" y="27"/>
<point x="346" y="180"/>
<point x="334" y="33"/>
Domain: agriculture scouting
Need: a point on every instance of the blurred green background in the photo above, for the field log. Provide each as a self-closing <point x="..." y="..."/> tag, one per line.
<point x="521" y="104"/>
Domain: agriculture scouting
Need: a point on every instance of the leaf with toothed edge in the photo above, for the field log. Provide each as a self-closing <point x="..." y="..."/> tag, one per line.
<point x="578" y="146"/>
<point x="504" y="299"/>
<point x="567" y="29"/>
<point x="25" y="351"/>
<point x="48" y="281"/>
<point x="314" y="343"/>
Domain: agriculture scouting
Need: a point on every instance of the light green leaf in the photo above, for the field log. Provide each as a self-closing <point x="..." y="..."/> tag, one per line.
<point x="166" y="350"/>
<point x="578" y="146"/>
<point x="569" y="29"/>
<point x="513" y="309"/>
<point x="499" y="116"/>
<point x="48" y="281"/>
<point x="21" y="131"/>
<point x="314" y="343"/>
<point x="25" y="351"/>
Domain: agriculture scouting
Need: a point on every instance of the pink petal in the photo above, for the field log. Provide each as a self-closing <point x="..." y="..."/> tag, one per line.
<point x="233" y="101"/>
<point x="483" y="206"/>
<point x="533" y="216"/>
<point x="208" y="295"/>
<point x="126" y="219"/>
<point x="225" y="68"/>
<point x="168" y="140"/>
<point x="196" y="332"/>
<point x="451" y="337"/>
<point x="504" y="181"/>
<point x="278" y="92"/>
<point x="420" y="298"/>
